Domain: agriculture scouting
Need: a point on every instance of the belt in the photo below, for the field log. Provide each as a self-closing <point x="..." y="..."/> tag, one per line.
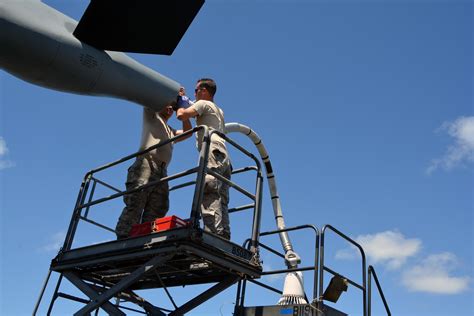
<point x="158" y="163"/>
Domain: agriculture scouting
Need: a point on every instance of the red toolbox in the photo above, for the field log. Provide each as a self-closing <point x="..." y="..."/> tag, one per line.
<point x="159" y="224"/>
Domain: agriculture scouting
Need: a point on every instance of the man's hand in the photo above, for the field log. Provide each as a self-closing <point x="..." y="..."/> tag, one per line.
<point x="182" y="102"/>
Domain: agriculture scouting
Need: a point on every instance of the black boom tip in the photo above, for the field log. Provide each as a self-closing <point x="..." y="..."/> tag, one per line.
<point x="138" y="26"/>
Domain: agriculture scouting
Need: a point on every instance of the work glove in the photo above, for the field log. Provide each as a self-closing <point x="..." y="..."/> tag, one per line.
<point x="182" y="101"/>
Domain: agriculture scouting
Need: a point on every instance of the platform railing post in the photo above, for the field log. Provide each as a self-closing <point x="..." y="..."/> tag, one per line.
<point x="379" y="288"/>
<point x="369" y="294"/>
<point x="321" y="266"/>
<point x="364" y="273"/>
<point x="201" y="174"/>
<point x="316" y="264"/>
<point x="257" y="214"/>
<point x="76" y="213"/>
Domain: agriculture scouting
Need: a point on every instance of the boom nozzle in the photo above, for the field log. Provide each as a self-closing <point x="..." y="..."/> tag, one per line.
<point x="293" y="290"/>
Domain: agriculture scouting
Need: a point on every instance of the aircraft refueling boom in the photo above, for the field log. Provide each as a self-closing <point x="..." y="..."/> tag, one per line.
<point x="38" y="46"/>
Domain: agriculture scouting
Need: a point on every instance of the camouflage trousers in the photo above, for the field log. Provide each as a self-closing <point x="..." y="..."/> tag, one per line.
<point x="216" y="195"/>
<point x="144" y="205"/>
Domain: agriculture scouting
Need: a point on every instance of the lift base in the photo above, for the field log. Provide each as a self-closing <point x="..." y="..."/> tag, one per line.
<point x="297" y="310"/>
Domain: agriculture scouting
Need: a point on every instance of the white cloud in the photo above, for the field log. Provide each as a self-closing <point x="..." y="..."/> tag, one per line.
<point x="390" y="248"/>
<point x="462" y="150"/>
<point x="3" y="147"/>
<point x="54" y="243"/>
<point x="4" y="164"/>
<point x="432" y="275"/>
<point x="347" y="254"/>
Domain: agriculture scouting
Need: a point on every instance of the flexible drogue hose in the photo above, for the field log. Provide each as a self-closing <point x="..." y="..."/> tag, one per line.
<point x="291" y="258"/>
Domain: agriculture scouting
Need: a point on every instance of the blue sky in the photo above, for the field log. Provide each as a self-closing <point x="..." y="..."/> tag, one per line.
<point x="366" y="109"/>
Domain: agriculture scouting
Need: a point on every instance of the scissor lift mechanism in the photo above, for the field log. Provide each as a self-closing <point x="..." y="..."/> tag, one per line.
<point x="176" y="257"/>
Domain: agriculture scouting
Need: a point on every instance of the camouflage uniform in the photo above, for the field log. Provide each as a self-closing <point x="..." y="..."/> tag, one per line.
<point x="153" y="201"/>
<point x="216" y="193"/>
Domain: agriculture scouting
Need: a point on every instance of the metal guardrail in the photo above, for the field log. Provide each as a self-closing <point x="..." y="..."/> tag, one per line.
<point x="379" y="288"/>
<point x="241" y="288"/>
<point x="365" y="287"/>
<point x="90" y="181"/>
<point x="323" y="268"/>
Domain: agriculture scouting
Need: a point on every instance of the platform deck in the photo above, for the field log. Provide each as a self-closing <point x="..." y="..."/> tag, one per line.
<point x="192" y="257"/>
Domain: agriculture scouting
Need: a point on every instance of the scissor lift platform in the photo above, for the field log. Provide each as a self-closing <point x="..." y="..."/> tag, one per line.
<point x="188" y="256"/>
<point x="176" y="257"/>
<point x="181" y="256"/>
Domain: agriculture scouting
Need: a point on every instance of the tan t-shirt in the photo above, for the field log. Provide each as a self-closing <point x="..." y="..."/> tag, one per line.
<point x="213" y="117"/>
<point x="155" y="129"/>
